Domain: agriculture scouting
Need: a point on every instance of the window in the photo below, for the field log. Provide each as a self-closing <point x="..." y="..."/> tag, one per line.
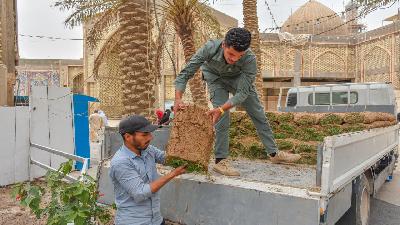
<point x="320" y="99"/>
<point x="292" y="99"/>
<point x="338" y="98"/>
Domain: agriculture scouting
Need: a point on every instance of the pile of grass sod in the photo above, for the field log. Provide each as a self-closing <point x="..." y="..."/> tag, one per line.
<point x="299" y="132"/>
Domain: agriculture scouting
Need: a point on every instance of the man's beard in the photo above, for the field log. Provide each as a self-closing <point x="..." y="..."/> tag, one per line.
<point x="141" y="148"/>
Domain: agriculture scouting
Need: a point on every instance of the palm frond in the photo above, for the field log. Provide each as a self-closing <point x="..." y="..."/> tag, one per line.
<point x="367" y="6"/>
<point x="83" y="10"/>
<point x="208" y="22"/>
<point x="108" y="46"/>
<point x="100" y="25"/>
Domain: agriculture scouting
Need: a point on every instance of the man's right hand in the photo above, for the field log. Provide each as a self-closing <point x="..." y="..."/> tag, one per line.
<point x="179" y="170"/>
<point x="178" y="104"/>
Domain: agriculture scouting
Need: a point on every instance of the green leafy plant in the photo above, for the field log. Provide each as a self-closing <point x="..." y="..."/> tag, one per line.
<point x="74" y="202"/>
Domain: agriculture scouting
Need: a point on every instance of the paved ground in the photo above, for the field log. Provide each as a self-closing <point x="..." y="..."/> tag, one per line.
<point x="383" y="213"/>
<point x="390" y="192"/>
<point x="385" y="209"/>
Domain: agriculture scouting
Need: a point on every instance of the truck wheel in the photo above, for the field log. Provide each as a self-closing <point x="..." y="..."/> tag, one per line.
<point x="359" y="212"/>
<point x="363" y="212"/>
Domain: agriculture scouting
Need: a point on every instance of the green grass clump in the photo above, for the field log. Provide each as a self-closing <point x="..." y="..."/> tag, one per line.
<point x="279" y="136"/>
<point x="354" y="118"/>
<point x="285" y="117"/>
<point x="272" y="117"/>
<point x="305" y="148"/>
<point x="287" y="128"/>
<point x="331" y="119"/>
<point x="255" y="151"/>
<point x="190" y="166"/>
<point x="332" y="129"/>
<point x="284" y="145"/>
<point x="309" y="134"/>
<point x="306" y="120"/>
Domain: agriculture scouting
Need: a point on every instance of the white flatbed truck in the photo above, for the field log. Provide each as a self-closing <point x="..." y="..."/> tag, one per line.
<point x="351" y="168"/>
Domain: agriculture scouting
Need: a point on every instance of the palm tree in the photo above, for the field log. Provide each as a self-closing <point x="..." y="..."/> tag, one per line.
<point x="186" y="15"/>
<point x="250" y="20"/>
<point x="371" y="5"/>
<point x="132" y="37"/>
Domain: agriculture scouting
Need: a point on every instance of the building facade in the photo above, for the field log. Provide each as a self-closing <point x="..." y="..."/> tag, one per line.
<point x="317" y="46"/>
<point x="49" y="72"/>
<point x="314" y="46"/>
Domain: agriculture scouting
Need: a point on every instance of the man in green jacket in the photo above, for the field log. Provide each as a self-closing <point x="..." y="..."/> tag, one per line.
<point x="229" y="66"/>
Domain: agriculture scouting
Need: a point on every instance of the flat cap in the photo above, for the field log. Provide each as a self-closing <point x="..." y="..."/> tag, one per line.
<point x="135" y="123"/>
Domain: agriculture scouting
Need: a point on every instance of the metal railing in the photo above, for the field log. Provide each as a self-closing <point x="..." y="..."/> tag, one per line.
<point x="85" y="161"/>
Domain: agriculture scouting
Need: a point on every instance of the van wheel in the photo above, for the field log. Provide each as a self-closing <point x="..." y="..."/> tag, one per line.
<point x="359" y="212"/>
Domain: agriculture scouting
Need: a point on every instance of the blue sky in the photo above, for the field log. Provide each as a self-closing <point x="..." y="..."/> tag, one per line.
<point x="37" y="17"/>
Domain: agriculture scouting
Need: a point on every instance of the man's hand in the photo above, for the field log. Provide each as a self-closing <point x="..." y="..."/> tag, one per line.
<point x="215" y="114"/>
<point x="157" y="184"/>
<point x="178" y="171"/>
<point x="178" y="105"/>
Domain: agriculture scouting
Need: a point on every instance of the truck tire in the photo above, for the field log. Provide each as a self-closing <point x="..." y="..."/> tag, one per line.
<point x="359" y="212"/>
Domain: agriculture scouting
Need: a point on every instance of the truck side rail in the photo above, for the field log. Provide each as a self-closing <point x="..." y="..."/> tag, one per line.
<point x="348" y="155"/>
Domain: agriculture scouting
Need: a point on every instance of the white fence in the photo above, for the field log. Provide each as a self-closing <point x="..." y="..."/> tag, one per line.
<point x="48" y="121"/>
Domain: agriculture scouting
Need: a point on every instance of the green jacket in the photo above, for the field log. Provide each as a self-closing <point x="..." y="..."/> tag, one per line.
<point x="210" y="58"/>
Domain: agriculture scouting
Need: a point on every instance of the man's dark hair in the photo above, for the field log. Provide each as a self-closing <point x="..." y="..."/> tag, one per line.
<point x="123" y="137"/>
<point x="238" y="38"/>
<point x="96" y="111"/>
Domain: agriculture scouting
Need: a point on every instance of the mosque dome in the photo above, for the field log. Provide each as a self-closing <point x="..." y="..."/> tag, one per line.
<point x="314" y="18"/>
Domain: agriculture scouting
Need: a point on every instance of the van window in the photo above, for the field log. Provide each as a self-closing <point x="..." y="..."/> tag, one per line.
<point x="320" y="99"/>
<point x="292" y="99"/>
<point x="338" y="98"/>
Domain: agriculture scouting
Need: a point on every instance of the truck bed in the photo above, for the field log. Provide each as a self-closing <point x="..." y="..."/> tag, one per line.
<point x="300" y="176"/>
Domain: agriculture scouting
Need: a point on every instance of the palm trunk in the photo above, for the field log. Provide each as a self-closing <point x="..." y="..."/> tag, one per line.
<point x="135" y="59"/>
<point x="196" y="85"/>
<point x="251" y="23"/>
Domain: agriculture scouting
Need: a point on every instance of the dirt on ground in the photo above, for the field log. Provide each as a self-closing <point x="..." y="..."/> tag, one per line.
<point x="12" y="213"/>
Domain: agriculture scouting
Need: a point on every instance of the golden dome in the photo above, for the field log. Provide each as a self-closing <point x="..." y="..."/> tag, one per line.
<point x="314" y="18"/>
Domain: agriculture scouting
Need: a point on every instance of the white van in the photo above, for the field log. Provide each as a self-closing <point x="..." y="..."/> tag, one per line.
<point x="347" y="97"/>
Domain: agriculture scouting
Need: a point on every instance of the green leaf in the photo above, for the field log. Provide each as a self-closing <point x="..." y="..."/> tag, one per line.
<point x="66" y="167"/>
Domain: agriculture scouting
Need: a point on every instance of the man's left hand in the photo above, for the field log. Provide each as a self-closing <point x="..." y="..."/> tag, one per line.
<point x="215" y="114"/>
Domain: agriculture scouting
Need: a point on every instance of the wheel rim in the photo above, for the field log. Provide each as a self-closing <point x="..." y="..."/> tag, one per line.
<point x="364" y="209"/>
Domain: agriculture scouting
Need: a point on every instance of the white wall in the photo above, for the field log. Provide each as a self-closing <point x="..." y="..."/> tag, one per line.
<point x="14" y="144"/>
<point x="47" y="121"/>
